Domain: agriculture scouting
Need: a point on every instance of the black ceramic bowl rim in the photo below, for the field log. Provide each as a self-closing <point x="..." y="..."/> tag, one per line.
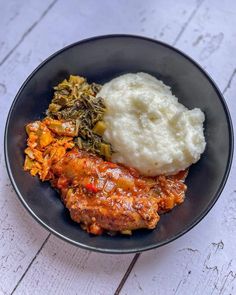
<point x="200" y="217"/>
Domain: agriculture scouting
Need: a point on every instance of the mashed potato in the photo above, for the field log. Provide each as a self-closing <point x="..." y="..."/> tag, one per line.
<point x="148" y="128"/>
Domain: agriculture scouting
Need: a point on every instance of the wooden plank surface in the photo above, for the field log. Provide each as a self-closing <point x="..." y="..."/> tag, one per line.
<point x="18" y="19"/>
<point x="31" y="262"/>
<point x="20" y="236"/>
<point x="60" y="267"/>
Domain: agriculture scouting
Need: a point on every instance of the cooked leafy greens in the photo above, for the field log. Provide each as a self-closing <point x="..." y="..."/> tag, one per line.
<point x="75" y="99"/>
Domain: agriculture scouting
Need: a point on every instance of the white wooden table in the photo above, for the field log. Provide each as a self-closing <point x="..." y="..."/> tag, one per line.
<point x="32" y="261"/>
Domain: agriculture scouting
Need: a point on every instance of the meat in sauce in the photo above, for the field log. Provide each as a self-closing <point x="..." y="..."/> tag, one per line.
<point x="100" y="195"/>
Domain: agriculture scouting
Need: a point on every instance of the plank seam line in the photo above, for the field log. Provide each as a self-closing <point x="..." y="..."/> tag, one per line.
<point x="128" y="271"/>
<point x="187" y="22"/>
<point x="32" y="261"/>
<point x="30" y="29"/>
<point x="230" y="81"/>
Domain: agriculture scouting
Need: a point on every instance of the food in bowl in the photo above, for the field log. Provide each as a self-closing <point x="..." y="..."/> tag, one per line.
<point x="148" y="128"/>
<point x="97" y="148"/>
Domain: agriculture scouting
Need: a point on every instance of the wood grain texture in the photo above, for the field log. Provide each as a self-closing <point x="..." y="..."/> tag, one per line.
<point x="202" y="259"/>
<point x="210" y="39"/>
<point x="17" y="19"/>
<point x="20" y="237"/>
<point x="59" y="268"/>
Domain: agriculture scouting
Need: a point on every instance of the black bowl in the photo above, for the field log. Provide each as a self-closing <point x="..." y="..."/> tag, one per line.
<point x="101" y="59"/>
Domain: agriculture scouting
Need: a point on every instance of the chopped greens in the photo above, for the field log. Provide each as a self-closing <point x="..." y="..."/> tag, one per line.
<point x="74" y="99"/>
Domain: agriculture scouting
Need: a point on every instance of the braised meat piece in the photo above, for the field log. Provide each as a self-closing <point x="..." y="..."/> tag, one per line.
<point x="101" y="195"/>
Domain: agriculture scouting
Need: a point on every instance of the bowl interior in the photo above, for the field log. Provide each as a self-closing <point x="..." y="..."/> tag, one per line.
<point x="100" y="60"/>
